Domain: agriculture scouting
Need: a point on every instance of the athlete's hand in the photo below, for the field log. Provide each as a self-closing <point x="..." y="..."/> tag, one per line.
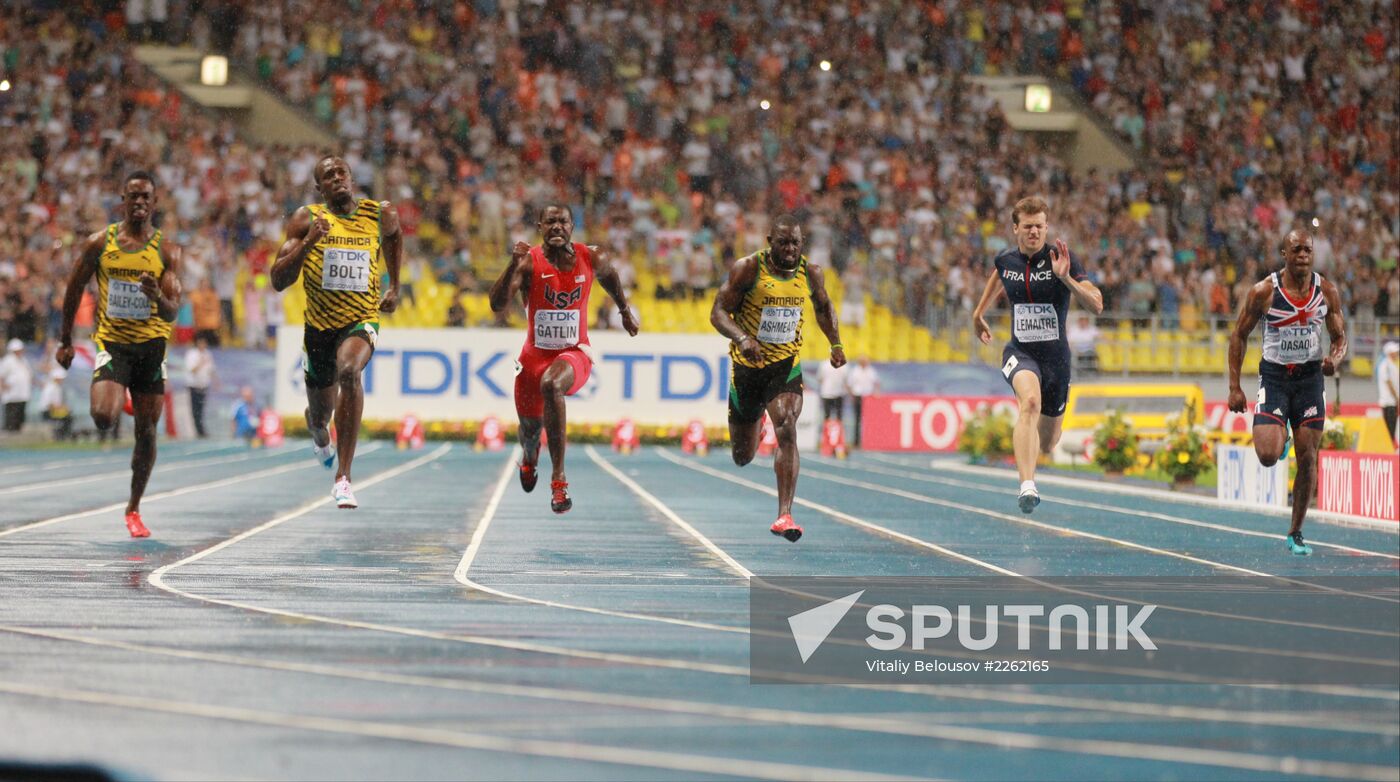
<point x="390" y="302"/>
<point x="64" y="356"/>
<point x="751" y="349"/>
<point x="629" y="322"/>
<point x="838" y="357"/>
<point x="1237" y="400"/>
<point x="984" y="332"/>
<point x="149" y="286"/>
<point x="1059" y="259"/>
<point x="519" y="251"/>
<point x="318" y="229"/>
<point x="1329" y="367"/>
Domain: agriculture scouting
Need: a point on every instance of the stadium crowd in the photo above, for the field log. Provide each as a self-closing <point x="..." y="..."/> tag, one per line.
<point x="676" y="130"/>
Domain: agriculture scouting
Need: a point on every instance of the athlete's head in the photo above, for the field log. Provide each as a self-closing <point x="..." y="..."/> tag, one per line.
<point x="1297" y="250"/>
<point x="786" y="243"/>
<point x="333" y="179"/>
<point x="1028" y="221"/>
<point x="139" y="195"/>
<point x="556" y="225"/>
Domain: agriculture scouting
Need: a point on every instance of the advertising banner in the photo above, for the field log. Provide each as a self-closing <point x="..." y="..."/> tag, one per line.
<point x="1361" y="484"/>
<point x="907" y="422"/>
<point x="1241" y="478"/>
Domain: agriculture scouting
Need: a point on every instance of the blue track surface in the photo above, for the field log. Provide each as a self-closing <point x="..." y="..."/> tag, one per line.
<point x="261" y="633"/>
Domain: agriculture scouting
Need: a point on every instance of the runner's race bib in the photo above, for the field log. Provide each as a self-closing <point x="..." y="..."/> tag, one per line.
<point x="1297" y="344"/>
<point x="778" y="325"/>
<point x="345" y="270"/>
<point x="1035" y="323"/>
<point x="556" y="329"/>
<point x="127" y="301"/>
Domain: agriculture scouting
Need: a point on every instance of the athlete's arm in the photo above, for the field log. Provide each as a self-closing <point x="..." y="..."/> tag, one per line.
<point x="727" y="302"/>
<point x="1336" y="328"/>
<point x="607" y="277"/>
<point x="83" y="270"/>
<point x="992" y="292"/>
<point x="516" y="276"/>
<point x="826" y="313"/>
<point x="1067" y="268"/>
<point x="392" y="244"/>
<point x="1254" y="307"/>
<point x="303" y="232"/>
<point x="165" y="292"/>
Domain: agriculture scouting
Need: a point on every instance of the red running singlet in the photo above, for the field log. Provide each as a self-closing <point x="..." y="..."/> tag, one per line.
<point x="556" y="315"/>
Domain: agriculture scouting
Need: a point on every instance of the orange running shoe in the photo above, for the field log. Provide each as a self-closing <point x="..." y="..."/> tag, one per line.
<point x="135" y="527"/>
<point x="786" y="527"/>
<point x="560" y="502"/>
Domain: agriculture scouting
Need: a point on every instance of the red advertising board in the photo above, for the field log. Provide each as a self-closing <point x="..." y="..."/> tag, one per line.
<point x="1361" y="484"/>
<point x="913" y="422"/>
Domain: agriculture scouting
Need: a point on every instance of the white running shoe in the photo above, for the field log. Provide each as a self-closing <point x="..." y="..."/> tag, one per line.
<point x="344" y="497"/>
<point x="326" y="455"/>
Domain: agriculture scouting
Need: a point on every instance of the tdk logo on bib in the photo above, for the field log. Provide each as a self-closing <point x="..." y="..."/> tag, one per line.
<point x="562" y="299"/>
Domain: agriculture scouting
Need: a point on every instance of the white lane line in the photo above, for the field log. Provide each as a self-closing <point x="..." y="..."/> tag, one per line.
<point x="670" y="515"/>
<point x="489" y="514"/>
<point x="1027" y="522"/>
<point x="839" y="515"/>
<point x="672" y="761"/>
<point x="908" y="724"/>
<point x="180" y="465"/>
<point x="1339" y="519"/>
<point x="997" y="738"/>
<point x="116" y="506"/>
<point x="1109" y="508"/>
<point x="845" y="517"/>
<point x="93" y="462"/>
<point x="158" y="574"/>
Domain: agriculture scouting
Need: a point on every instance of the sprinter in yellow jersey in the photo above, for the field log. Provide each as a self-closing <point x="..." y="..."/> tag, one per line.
<point x="339" y="248"/>
<point x="759" y="307"/>
<point x="138" y="293"/>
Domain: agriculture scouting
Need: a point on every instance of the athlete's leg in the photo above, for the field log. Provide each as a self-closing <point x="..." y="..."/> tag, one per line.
<point x="147" y="409"/>
<point x="530" y="439"/>
<point x="784" y="410"/>
<point x="556" y="383"/>
<point x="108" y="398"/>
<point x="350" y="360"/>
<point x="1026" y="437"/>
<point x="1306" y="440"/>
<point x="320" y="403"/>
<point x="743" y="439"/>
<point x="1048" y="431"/>
<point x="1268" y="442"/>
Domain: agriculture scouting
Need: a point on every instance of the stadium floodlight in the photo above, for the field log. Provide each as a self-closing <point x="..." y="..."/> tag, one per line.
<point x="213" y="71"/>
<point x="765" y="105"/>
<point x="1038" y="98"/>
<point x="5" y="85"/>
<point x="826" y="65"/>
<point x="1316" y="222"/>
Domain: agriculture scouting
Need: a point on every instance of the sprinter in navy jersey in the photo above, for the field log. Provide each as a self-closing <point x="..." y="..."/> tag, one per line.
<point x="1039" y="282"/>
<point x="1294" y="304"/>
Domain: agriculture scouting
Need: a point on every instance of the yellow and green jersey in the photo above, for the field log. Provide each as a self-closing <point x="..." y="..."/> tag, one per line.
<point x="342" y="271"/>
<point x="772" y="312"/>
<point x="125" y="314"/>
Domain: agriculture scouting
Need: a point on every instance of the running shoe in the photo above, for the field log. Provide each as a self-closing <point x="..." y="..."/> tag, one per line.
<point x="528" y="477"/>
<point x="1297" y="546"/>
<point x="1028" y="500"/>
<point x="560" y="502"/>
<point x="135" y="527"/>
<point x="344" y="497"/>
<point x="787" y="528"/>
<point x="324" y="454"/>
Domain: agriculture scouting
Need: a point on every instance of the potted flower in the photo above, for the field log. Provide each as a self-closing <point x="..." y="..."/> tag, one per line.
<point x="987" y="436"/>
<point x="1335" y="436"/>
<point x="1115" y="444"/>
<point x="1184" y="454"/>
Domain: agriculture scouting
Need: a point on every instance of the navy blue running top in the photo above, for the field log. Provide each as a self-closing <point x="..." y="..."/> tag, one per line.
<point x="1039" y="301"/>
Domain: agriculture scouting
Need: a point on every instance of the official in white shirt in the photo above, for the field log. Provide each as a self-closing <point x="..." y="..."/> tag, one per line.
<point x="831" y="385"/>
<point x="16" y="384"/>
<point x="862" y="381"/>
<point x="199" y="363"/>
<point x="1388" y="382"/>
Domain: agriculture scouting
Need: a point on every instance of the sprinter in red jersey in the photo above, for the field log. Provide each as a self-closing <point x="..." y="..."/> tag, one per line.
<point x="556" y="278"/>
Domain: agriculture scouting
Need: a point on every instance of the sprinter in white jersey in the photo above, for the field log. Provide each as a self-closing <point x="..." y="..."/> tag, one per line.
<point x="1294" y="304"/>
